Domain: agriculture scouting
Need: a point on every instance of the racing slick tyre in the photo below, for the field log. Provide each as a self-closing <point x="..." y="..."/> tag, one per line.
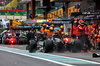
<point x="33" y="46"/>
<point x="77" y="46"/>
<point x="27" y="47"/>
<point x="48" y="46"/>
<point x="60" y="47"/>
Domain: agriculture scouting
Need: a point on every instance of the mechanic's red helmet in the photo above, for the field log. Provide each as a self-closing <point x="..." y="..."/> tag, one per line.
<point x="81" y="22"/>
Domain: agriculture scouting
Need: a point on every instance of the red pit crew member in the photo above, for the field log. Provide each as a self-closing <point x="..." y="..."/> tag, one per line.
<point x="80" y="33"/>
<point x="74" y="29"/>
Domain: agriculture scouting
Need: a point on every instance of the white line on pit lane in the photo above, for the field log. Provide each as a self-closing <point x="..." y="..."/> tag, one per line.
<point x="53" y="55"/>
<point x="38" y="58"/>
<point x="78" y="59"/>
<point x="70" y="57"/>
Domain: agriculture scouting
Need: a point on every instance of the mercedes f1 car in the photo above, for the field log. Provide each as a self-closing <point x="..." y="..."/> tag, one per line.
<point x="50" y="44"/>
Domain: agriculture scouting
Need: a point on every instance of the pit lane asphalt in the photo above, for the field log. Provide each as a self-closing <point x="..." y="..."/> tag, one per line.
<point x="86" y="56"/>
<point x="10" y="59"/>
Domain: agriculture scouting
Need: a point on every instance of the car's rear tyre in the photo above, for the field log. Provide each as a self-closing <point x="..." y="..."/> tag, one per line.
<point x="77" y="46"/>
<point x="48" y="46"/>
<point x="27" y="47"/>
<point x="60" y="47"/>
<point x="33" y="46"/>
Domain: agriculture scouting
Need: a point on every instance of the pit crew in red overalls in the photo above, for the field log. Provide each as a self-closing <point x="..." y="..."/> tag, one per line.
<point x="87" y="34"/>
<point x="80" y="31"/>
<point x="74" y="29"/>
<point x="94" y="25"/>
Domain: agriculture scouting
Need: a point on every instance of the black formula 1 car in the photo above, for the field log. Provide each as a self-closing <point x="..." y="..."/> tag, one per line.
<point x="50" y="44"/>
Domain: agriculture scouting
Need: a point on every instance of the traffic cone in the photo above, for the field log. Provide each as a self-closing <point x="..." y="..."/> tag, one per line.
<point x="95" y="55"/>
